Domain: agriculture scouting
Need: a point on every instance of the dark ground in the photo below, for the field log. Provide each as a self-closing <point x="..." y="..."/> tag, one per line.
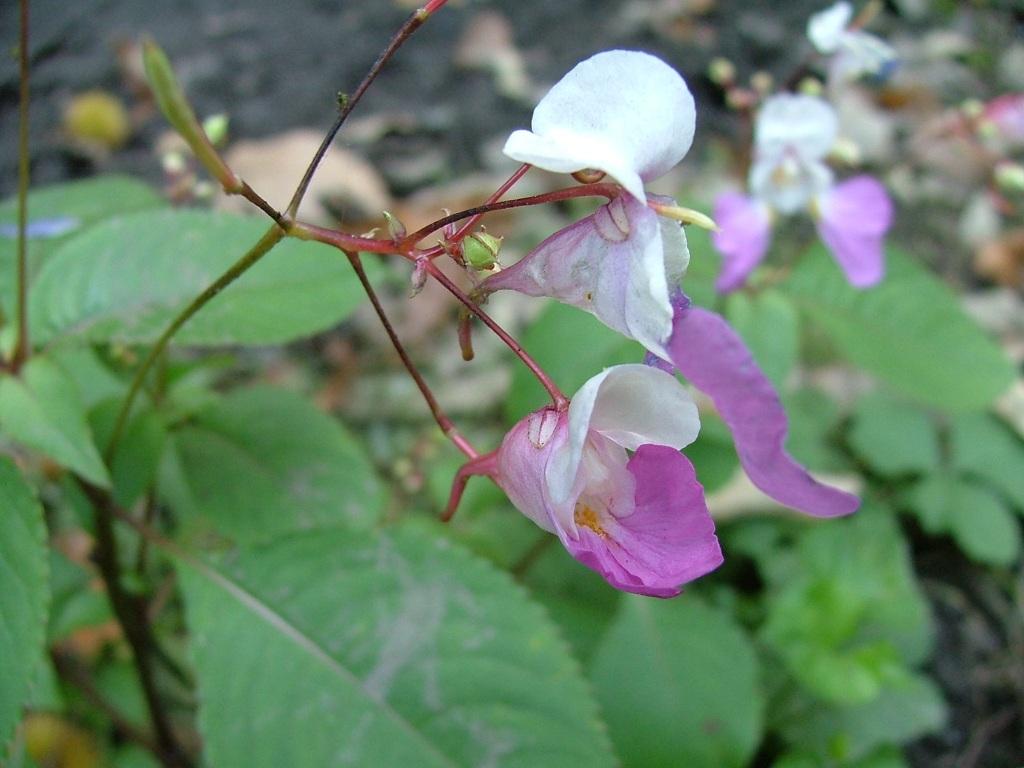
<point x="275" y="65"/>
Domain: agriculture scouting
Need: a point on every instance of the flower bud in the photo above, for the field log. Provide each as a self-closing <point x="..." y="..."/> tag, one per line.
<point x="175" y="107"/>
<point x="762" y="82"/>
<point x="481" y="250"/>
<point x="972" y="108"/>
<point x="721" y="71"/>
<point x="419" y="276"/>
<point x="811" y="86"/>
<point x="216" y="127"/>
<point x="846" y="151"/>
<point x="395" y="228"/>
<point x="1009" y="177"/>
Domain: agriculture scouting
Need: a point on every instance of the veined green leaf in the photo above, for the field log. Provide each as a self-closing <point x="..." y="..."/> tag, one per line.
<point x="125" y="279"/>
<point x="24" y="584"/>
<point x="909" y="330"/>
<point x="388" y="649"/>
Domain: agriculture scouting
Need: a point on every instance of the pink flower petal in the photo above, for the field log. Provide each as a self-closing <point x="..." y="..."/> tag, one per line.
<point x="611" y="263"/>
<point x="744" y="232"/>
<point x="713" y="357"/>
<point x="668" y="539"/>
<point x="855" y="215"/>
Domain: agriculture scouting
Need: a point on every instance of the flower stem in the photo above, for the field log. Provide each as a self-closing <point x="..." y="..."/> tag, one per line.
<point x="131" y="614"/>
<point x="558" y="398"/>
<point x="253" y="255"/>
<point x="584" y="190"/>
<point x="21" y="347"/>
<point x="414" y="22"/>
<point x="442" y="419"/>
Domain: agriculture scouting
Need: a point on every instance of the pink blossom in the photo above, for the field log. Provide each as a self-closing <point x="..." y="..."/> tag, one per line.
<point x="630" y="115"/>
<point x="792" y="138"/>
<point x="639" y="520"/>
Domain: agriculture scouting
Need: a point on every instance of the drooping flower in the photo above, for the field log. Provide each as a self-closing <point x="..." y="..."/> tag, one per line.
<point x="713" y="357"/>
<point x="792" y="138"/>
<point x="630" y="115"/>
<point x="639" y="520"/>
<point x="854" y="52"/>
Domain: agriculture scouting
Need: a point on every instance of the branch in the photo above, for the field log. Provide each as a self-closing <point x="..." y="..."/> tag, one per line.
<point x="347" y="104"/>
<point x="442" y="419"/>
<point x="131" y="614"/>
<point x="236" y="270"/>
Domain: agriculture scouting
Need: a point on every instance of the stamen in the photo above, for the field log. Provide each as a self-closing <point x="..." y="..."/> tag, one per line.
<point x="585" y="516"/>
<point x="685" y="215"/>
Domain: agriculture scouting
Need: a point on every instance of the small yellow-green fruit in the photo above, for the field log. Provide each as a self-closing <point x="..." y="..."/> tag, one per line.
<point x="97" y="117"/>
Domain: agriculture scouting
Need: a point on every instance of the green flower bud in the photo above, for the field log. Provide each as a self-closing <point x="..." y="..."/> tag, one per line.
<point x="1009" y="177"/>
<point x="481" y="250"/>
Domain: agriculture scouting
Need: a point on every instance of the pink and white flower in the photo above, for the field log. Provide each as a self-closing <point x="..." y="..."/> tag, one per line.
<point x="793" y="136"/>
<point x="631" y="116"/>
<point x="608" y="479"/>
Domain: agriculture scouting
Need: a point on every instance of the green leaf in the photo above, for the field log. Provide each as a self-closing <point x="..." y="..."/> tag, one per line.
<point x="713" y="453"/>
<point x="851" y="615"/>
<point x="983" y="447"/>
<point x="42" y="410"/>
<point x="77" y="603"/>
<point x="894" y="437"/>
<point x="264" y="461"/>
<point x="580" y="601"/>
<point x="901" y="712"/>
<point x="24" y="584"/>
<point x="678" y="683"/>
<point x="571" y="345"/>
<point x="77" y="205"/>
<point x="909" y="330"/>
<point x="813" y="417"/>
<point x="388" y="649"/>
<point x="973" y="515"/>
<point x="137" y="459"/>
<point x="769" y="324"/>
<point x="125" y="279"/>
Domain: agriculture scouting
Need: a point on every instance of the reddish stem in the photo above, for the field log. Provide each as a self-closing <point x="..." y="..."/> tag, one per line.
<point x="344" y="241"/>
<point x="487" y="465"/>
<point x="510" y="182"/>
<point x="414" y="22"/>
<point x="560" y="400"/>
<point x="440" y="416"/>
<point x="584" y="190"/>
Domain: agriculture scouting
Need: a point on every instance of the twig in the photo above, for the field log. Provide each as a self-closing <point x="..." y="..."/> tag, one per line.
<point x="442" y="419"/>
<point x="253" y="255"/>
<point x="558" y="398"/>
<point x="69" y="668"/>
<point x="584" y="190"/>
<point x="348" y="103"/>
<point x="131" y="614"/>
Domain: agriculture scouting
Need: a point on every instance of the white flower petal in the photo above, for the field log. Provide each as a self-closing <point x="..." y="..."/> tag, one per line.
<point x="675" y="249"/>
<point x="632" y="405"/>
<point x="647" y="310"/>
<point x="825" y="29"/>
<point x="861" y="53"/>
<point x="795" y="125"/>
<point x="623" y="112"/>
<point x="789" y="184"/>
